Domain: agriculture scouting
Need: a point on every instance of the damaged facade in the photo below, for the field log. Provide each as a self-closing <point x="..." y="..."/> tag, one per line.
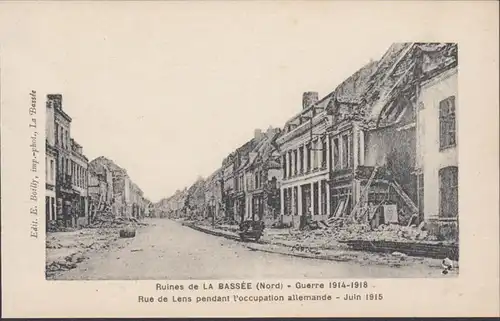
<point x="371" y="145"/>
<point x="112" y="191"/>
<point x="380" y="149"/>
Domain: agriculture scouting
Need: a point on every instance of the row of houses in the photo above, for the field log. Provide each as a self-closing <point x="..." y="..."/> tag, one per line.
<point x="76" y="189"/>
<point x="380" y="148"/>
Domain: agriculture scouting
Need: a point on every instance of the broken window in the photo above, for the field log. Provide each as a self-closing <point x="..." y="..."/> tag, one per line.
<point x="448" y="192"/>
<point x="447" y="132"/>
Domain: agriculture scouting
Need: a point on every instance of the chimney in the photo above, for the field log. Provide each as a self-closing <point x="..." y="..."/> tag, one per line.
<point x="54" y="100"/>
<point x="257" y="133"/>
<point x="309" y="98"/>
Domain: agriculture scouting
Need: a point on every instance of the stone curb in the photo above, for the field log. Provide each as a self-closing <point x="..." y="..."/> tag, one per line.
<point x="301" y="255"/>
<point x="255" y="247"/>
<point x="212" y="232"/>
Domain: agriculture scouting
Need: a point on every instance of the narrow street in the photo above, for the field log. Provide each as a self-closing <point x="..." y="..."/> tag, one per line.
<point x="168" y="250"/>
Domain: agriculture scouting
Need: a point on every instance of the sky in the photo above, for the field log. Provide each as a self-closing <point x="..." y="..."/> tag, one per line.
<point x="168" y="92"/>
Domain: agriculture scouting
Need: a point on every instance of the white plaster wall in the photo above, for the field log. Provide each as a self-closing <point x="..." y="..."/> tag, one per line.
<point x="432" y="93"/>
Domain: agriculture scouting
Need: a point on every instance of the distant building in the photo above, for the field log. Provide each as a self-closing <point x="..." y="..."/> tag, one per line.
<point x="263" y="177"/>
<point x="213" y="195"/>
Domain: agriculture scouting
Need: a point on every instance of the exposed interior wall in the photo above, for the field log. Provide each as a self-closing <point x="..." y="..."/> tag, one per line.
<point x="395" y="149"/>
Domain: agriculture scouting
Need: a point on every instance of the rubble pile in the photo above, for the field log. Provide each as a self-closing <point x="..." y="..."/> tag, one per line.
<point x="68" y="263"/>
<point x="108" y="220"/>
<point x="392" y="232"/>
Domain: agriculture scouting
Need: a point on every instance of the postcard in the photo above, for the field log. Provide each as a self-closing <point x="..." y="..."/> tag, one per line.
<point x="274" y="158"/>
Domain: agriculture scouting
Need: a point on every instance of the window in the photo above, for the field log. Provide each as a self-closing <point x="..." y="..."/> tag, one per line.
<point x="286" y="201"/>
<point x="48" y="214"/>
<point x="57" y="134"/>
<point x="315" y="155"/>
<point x="283" y="165"/>
<point x="315" y="199"/>
<point x="308" y="157"/>
<point x="82" y="207"/>
<point x="67" y="166"/>
<point x="52" y="174"/>
<point x="420" y="187"/>
<point x="447" y="132"/>
<point x="296" y="200"/>
<point x="290" y="163"/>
<point x="323" y="153"/>
<point x="323" y="197"/>
<point x="53" y="208"/>
<point x="448" y="192"/>
<point x="46" y="170"/>
<point x="301" y="160"/>
<point x="345" y="151"/>
<point x="336" y="160"/>
<point x="295" y="165"/>
<point x="330" y="153"/>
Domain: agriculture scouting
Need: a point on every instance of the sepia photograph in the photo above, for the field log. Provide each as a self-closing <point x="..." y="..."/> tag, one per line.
<point x="249" y="158"/>
<point x="357" y="181"/>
